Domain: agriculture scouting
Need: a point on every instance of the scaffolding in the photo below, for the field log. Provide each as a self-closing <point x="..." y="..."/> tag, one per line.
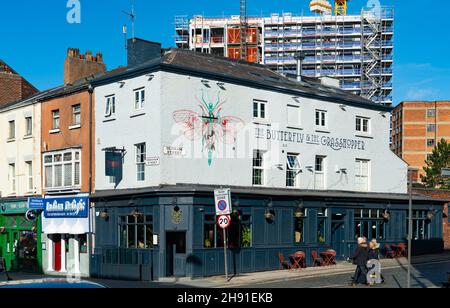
<point x="356" y="49"/>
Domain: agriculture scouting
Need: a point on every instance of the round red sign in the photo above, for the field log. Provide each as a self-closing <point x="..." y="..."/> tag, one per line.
<point x="224" y="221"/>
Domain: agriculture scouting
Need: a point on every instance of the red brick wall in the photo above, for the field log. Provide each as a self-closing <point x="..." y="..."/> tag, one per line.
<point x="444" y="195"/>
<point x="13" y="88"/>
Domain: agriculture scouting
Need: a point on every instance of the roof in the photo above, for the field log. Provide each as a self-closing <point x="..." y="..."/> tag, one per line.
<point x="264" y="192"/>
<point x="241" y="73"/>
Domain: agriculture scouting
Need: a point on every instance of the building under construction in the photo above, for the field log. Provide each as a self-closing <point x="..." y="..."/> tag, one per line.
<point x="356" y="49"/>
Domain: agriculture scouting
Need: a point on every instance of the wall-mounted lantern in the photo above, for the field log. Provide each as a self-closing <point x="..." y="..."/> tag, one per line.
<point x="104" y="214"/>
<point x="269" y="213"/>
<point x="136" y="213"/>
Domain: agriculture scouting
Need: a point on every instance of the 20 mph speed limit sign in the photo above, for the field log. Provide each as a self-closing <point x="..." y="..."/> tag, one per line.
<point x="224" y="221"/>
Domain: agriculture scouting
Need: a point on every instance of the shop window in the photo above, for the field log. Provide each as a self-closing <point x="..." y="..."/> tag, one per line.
<point x="299" y="226"/>
<point x="322" y="225"/>
<point x="82" y="239"/>
<point x="239" y="232"/>
<point x="136" y="231"/>
<point x="420" y="225"/>
<point x="369" y="223"/>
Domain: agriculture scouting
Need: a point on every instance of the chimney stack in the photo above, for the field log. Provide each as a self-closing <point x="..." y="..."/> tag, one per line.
<point x="78" y="66"/>
<point x="300" y="57"/>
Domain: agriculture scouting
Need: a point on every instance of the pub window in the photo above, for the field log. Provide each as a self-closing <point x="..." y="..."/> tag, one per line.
<point x="362" y="175"/>
<point x="319" y="172"/>
<point x="421" y="225"/>
<point x="292" y="170"/>
<point x="258" y="167"/>
<point x="140" y="161"/>
<point x="209" y="231"/>
<point x="321" y="118"/>
<point x="239" y="232"/>
<point x="139" y="99"/>
<point x="259" y="109"/>
<point x="322" y="216"/>
<point x="362" y="124"/>
<point x="136" y="231"/>
<point x="299" y="226"/>
<point x="369" y="223"/>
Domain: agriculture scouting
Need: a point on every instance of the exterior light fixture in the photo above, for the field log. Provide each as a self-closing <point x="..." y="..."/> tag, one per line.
<point x="299" y="211"/>
<point x="136" y="213"/>
<point x="383" y="114"/>
<point x="104" y="214"/>
<point x="269" y="214"/>
<point x="343" y="107"/>
<point x="121" y="84"/>
<point x="221" y="85"/>
<point x="431" y="213"/>
<point x="150" y="77"/>
<point x="206" y="83"/>
<point x="386" y="215"/>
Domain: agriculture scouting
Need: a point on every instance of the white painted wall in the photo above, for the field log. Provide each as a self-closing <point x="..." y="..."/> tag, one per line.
<point x="232" y="163"/>
<point x="20" y="150"/>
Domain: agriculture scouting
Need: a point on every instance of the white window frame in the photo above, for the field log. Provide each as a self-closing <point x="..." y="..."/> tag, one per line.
<point x="76" y="115"/>
<point x="364" y="125"/>
<point x="293" y="108"/>
<point x="30" y="178"/>
<point x="110" y="106"/>
<point x="360" y="176"/>
<point x="12" y="130"/>
<point x="262" y="168"/>
<point x="28" y="126"/>
<point x="259" y="110"/>
<point x="56" y="119"/>
<point x="321" y="173"/>
<point x="12" y="178"/>
<point x="295" y="168"/>
<point x="139" y="98"/>
<point x="140" y="161"/>
<point x="321" y="115"/>
<point x="75" y="163"/>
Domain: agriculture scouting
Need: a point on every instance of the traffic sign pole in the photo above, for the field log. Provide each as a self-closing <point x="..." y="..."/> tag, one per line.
<point x="225" y="253"/>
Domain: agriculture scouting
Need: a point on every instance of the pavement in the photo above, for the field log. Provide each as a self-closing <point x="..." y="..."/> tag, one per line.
<point x="427" y="272"/>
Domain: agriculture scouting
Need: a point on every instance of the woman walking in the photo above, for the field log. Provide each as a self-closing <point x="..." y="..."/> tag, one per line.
<point x="373" y="263"/>
<point x="360" y="258"/>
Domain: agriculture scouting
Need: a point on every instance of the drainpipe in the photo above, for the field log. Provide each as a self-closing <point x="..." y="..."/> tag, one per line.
<point x="90" y="235"/>
<point x="300" y="56"/>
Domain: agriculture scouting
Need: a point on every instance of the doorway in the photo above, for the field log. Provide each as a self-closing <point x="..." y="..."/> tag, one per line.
<point x="338" y="238"/>
<point x="57" y="251"/>
<point x="176" y="254"/>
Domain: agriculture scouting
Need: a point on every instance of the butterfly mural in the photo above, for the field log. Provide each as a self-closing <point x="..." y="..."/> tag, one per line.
<point x="209" y="125"/>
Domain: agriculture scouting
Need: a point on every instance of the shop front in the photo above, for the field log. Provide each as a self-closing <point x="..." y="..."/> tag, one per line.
<point x="20" y="237"/>
<point x="67" y="229"/>
<point x="265" y="222"/>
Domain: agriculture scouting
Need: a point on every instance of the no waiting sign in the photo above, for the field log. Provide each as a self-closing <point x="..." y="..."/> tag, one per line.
<point x="223" y="201"/>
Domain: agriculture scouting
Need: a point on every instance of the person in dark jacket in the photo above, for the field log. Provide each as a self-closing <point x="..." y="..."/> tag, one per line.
<point x="374" y="254"/>
<point x="360" y="258"/>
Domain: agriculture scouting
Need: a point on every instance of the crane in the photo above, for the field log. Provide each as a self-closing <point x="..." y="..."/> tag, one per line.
<point x="340" y="7"/>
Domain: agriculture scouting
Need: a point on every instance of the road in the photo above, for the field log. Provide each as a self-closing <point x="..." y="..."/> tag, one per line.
<point x="429" y="275"/>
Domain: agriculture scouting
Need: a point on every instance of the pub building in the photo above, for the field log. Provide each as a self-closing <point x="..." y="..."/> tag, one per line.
<point x="308" y="164"/>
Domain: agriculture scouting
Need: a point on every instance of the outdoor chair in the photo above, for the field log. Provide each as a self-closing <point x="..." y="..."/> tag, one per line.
<point x="284" y="264"/>
<point x="316" y="259"/>
<point x="389" y="253"/>
<point x="402" y="250"/>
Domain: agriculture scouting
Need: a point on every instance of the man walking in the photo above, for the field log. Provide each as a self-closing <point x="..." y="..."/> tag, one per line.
<point x="360" y="258"/>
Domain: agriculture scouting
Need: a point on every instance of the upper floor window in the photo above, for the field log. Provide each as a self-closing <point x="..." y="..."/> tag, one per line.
<point x="62" y="169"/>
<point x="29" y="167"/>
<point x="431" y="142"/>
<point x="139" y="99"/>
<point x="140" y="161"/>
<point x="293" y="170"/>
<point x="431" y="113"/>
<point x="110" y="109"/>
<point x="12" y="177"/>
<point x="362" y="175"/>
<point x="319" y="172"/>
<point x="12" y="130"/>
<point x="293" y="115"/>
<point x="259" y="109"/>
<point x="55" y="119"/>
<point x="362" y="125"/>
<point x="76" y="115"/>
<point x="258" y="167"/>
<point x="321" y="118"/>
<point x="431" y="128"/>
<point x="28" y="126"/>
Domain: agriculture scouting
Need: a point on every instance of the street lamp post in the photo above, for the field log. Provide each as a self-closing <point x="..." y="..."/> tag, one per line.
<point x="410" y="224"/>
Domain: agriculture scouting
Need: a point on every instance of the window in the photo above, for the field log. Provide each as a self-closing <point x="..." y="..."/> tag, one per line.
<point x="362" y="124"/>
<point x="110" y="106"/>
<point x="321" y="119"/>
<point x="431" y="128"/>
<point x="369" y="223"/>
<point x="362" y="175"/>
<point x="12" y="177"/>
<point x="55" y="119"/>
<point x="431" y="142"/>
<point x="293" y="116"/>
<point x="28" y="126"/>
<point x="239" y="232"/>
<point x="258" y="167"/>
<point x="209" y="231"/>
<point x="431" y="113"/>
<point x="136" y="231"/>
<point x="139" y="99"/>
<point x="299" y="226"/>
<point x="420" y="225"/>
<point x="293" y="170"/>
<point x="76" y="115"/>
<point x="29" y="167"/>
<point x="319" y="172"/>
<point x="62" y="169"/>
<point x="140" y="161"/>
<point x="259" y="109"/>
<point x="322" y="225"/>
<point x="12" y="130"/>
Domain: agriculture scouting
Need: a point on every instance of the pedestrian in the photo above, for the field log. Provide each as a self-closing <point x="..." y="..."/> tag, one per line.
<point x="360" y="258"/>
<point x="373" y="263"/>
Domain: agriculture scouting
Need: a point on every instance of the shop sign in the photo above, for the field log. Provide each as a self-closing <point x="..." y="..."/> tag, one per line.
<point x="66" y="207"/>
<point x="13" y="207"/>
<point x="36" y="203"/>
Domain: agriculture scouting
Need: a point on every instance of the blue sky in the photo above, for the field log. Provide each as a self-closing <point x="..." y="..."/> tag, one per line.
<point x="35" y="35"/>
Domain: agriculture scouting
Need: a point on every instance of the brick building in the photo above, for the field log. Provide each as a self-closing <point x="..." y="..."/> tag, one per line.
<point x="416" y="128"/>
<point x="13" y="87"/>
<point x="443" y="195"/>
